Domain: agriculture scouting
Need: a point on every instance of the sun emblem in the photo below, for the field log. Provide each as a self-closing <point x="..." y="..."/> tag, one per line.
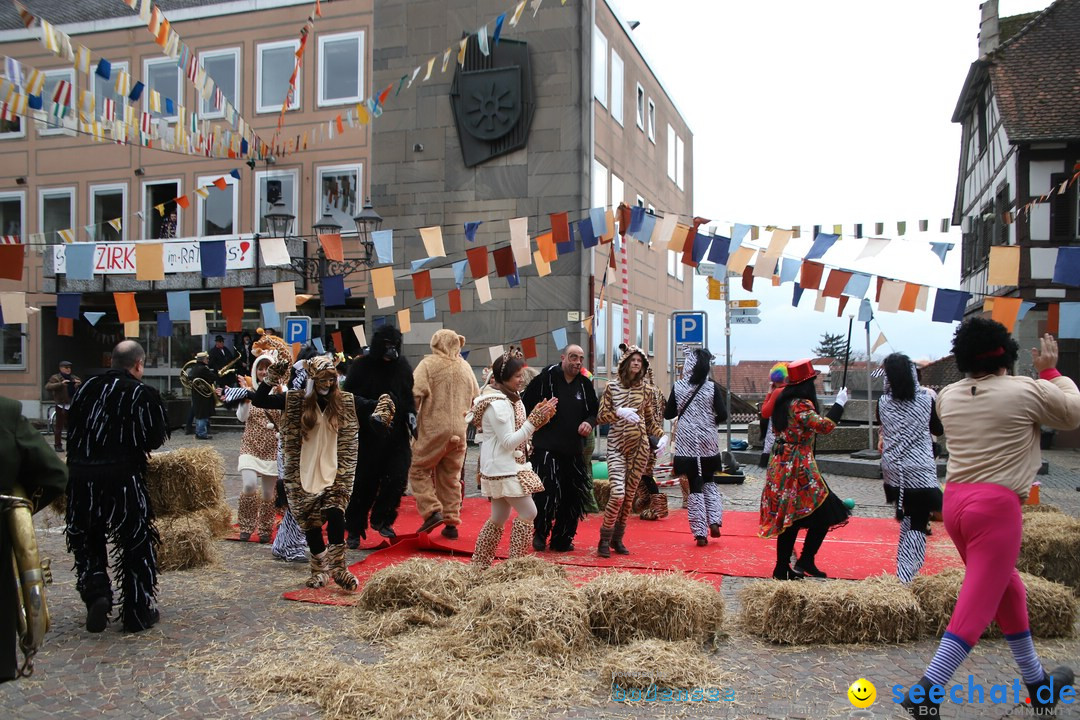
<point x="487" y="107"/>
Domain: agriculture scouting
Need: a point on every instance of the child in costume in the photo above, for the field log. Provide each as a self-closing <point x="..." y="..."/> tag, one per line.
<point x="319" y="443"/>
<point x="629" y="407"/>
<point x="505" y="473"/>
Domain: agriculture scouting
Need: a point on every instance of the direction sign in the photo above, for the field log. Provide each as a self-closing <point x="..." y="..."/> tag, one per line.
<point x="745" y="320"/>
<point x="735" y="312"/>
<point x="297" y="329"/>
<point x="744" y="304"/>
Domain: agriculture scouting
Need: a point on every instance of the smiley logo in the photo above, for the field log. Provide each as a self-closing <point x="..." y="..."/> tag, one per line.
<point x="862" y="693"/>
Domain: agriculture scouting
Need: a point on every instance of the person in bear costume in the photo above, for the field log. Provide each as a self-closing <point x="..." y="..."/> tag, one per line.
<point x="382" y="475"/>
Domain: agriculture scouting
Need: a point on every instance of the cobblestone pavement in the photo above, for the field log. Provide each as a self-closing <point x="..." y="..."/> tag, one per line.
<point x="191" y="665"/>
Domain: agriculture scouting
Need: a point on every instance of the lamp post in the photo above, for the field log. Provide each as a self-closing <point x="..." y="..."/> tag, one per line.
<point x="315" y="269"/>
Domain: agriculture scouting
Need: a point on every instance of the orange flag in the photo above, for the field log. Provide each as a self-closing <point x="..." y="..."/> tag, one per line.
<point x="331" y="245"/>
<point x="125" y="306"/>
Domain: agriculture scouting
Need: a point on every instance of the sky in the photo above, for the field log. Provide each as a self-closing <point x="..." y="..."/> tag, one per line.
<point x="821" y="113"/>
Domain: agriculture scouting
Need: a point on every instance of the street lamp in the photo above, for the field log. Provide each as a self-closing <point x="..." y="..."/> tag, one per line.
<point x="367" y="222"/>
<point x="279" y="220"/>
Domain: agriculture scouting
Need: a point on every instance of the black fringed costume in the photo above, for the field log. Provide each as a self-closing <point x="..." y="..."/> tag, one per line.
<point x="114" y="423"/>
<point x="382" y="474"/>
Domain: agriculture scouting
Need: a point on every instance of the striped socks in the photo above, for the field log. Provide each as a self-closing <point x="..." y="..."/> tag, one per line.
<point x="1023" y="649"/>
<point x="950" y="653"/>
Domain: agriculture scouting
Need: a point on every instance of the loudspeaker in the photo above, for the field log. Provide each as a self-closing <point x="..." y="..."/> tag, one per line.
<point x="273" y="191"/>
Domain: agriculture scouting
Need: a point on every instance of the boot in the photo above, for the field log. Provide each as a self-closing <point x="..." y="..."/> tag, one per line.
<point x="604" y="548"/>
<point x="519" y="537"/>
<point x="925" y="708"/>
<point x="785" y="572"/>
<point x="1054" y="680"/>
<point x="97" y="615"/>
<point x="246" y="510"/>
<point x="486" y="542"/>
<point x="265" y="523"/>
<point x="335" y="563"/>
<point x="616" y="539"/>
<point x="539" y="542"/>
<point x="319" y="576"/>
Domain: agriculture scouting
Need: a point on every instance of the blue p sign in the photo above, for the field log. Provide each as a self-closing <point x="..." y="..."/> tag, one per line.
<point x="689" y="327"/>
<point x="297" y="329"/>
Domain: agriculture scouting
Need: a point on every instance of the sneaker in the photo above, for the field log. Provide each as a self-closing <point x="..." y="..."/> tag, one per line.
<point x="386" y="531"/>
<point x="450" y="532"/>
<point x="433" y="521"/>
<point x="1054" y="680"/>
<point x="925" y="708"/>
<point x="97" y="615"/>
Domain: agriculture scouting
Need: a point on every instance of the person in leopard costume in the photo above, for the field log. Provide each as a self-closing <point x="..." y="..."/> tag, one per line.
<point x="258" y="457"/>
<point x="505" y="473"/>
<point x="319" y="439"/>
<point x="629" y="407"/>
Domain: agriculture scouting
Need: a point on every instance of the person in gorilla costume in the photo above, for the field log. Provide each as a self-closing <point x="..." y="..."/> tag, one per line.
<point x="383" y="471"/>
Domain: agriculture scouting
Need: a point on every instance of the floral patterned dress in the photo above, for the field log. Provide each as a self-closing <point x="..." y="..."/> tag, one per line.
<point x="795" y="494"/>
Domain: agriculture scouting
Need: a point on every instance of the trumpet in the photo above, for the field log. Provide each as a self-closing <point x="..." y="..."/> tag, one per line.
<point x="31" y="576"/>
<point x="202" y="387"/>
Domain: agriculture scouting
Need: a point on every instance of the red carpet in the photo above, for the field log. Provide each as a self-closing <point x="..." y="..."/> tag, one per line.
<point x="865" y="547"/>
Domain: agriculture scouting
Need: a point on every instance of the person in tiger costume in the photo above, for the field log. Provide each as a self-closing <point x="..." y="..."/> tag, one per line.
<point x="630" y="408"/>
<point x="319" y="428"/>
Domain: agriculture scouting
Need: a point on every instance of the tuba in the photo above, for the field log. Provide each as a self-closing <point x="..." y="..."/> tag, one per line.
<point x="31" y="576"/>
<point x="202" y="387"/>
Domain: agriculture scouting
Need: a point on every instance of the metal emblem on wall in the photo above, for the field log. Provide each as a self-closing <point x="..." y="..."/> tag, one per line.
<point x="493" y="100"/>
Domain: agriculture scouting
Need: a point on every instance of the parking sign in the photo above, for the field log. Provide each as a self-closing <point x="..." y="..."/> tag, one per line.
<point x="688" y="329"/>
<point x="297" y="329"/>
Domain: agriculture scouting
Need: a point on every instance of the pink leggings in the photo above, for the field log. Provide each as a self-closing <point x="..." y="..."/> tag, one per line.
<point x="984" y="522"/>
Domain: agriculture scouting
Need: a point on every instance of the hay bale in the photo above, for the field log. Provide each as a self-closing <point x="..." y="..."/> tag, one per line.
<point x="601" y="491"/>
<point x="539" y="614"/>
<point x="1040" y="508"/>
<point x="522" y="568"/>
<point x="1050" y="547"/>
<point x="641" y="664"/>
<point x="629" y="606"/>
<point x="875" y="610"/>
<point x="185" y="480"/>
<point x="1051" y="606"/>
<point x="435" y="585"/>
<point x="375" y="626"/>
<point x="219" y="519"/>
<point x="186" y="542"/>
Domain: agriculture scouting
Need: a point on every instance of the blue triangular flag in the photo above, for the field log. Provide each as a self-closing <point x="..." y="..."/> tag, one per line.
<point x="789" y="268"/>
<point x="180" y="306"/>
<point x="866" y="313"/>
<point x="857" y="285"/>
<point x="470" y="230"/>
<point x="559" y="336"/>
<point x="498" y="28"/>
<point x="333" y="289"/>
<point x="164" y="324"/>
<point x="235" y="173"/>
<point x="67" y="305"/>
<point x="701" y="246"/>
<point x="465" y="354"/>
<point x="380" y="320"/>
<point x="585" y="230"/>
<point x="384" y="245"/>
<point x="459" y="272"/>
<point x="566" y="247"/>
<point x="243" y="146"/>
<point x="821" y="245"/>
<point x="941" y="249"/>
<point x="1067" y="267"/>
<point x="104" y="69"/>
<point x="270" y="316"/>
<point x="737" y="234"/>
<point x="1025" y="306"/>
<point x="719" y="272"/>
<point x="319" y="347"/>
<point x="1069" y="320"/>
<point x="417" y="264"/>
<point x="170" y="108"/>
<point x="513" y="280"/>
<point x="79" y="261"/>
<point x="429" y="308"/>
<point x="136" y="91"/>
<point x="719" y="252"/>
<point x="93" y="317"/>
<point x="949" y="305"/>
<point x="637" y="217"/>
<point x="598" y="218"/>
<point x="796" y="296"/>
<point x="648" y="224"/>
<point x="212" y="258"/>
<point x="33" y="102"/>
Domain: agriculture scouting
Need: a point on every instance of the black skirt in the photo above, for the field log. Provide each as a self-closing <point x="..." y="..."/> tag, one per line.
<point x="688" y="467"/>
<point x="830" y="514"/>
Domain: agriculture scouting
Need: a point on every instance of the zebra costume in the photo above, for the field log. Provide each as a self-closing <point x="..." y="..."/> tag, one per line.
<point x="699" y="409"/>
<point x="907" y="464"/>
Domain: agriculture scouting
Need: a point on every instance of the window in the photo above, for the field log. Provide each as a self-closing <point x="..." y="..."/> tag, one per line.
<point x="54" y="116"/>
<point x="679" y="268"/>
<point x="617" y="190"/>
<point x="640" y="105"/>
<point x="1001" y="206"/>
<point x="338" y="194"/>
<point x="12" y="128"/>
<point x="652" y="334"/>
<point x="1063" y="224"/>
<point x="672" y="262"/>
<point x="224" y="67"/>
<point x="639" y="201"/>
<point x="161" y="226"/>
<point x="600" y="336"/>
<point x="108" y="202"/>
<point x="616" y="87"/>
<point x="680" y="152"/>
<point x="652" y="121"/>
<point x="13" y="347"/>
<point x="599" y="66"/>
<point x="56" y="211"/>
<point x="341" y="69"/>
<point x="216" y="213"/>
<point x="106" y="90"/>
<point x="163" y="76"/>
<point x="640" y="338"/>
<point x="271" y="186"/>
<point x="599" y="184"/>
<point x="670" y="152"/>
<point x="274" y="66"/>
<point x="12" y="219"/>
<point x="616" y="331"/>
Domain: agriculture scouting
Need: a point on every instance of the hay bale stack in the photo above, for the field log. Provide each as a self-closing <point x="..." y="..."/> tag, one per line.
<point x="626" y="606"/>
<point x="601" y="491"/>
<point x="219" y="519"/>
<point x="522" y="568"/>
<point x="878" y="609"/>
<point x="433" y="585"/>
<point x="1050" y="547"/>
<point x="643" y="663"/>
<point x="540" y="614"/>
<point x="1051" y="606"/>
<point x="1040" y="508"/>
<point x="185" y="480"/>
<point x="186" y="542"/>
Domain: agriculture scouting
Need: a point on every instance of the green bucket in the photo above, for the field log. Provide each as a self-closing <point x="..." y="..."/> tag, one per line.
<point x="599" y="470"/>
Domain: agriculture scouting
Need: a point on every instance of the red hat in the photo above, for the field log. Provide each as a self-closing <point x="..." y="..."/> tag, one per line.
<point x="800" y="371"/>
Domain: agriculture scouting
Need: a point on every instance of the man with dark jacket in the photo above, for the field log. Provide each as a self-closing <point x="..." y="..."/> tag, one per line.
<point x="202" y="406"/>
<point x="62" y="387"/>
<point x="41" y="475"/>
<point x="557" y="449"/>
<point x="219" y="357"/>
<point x="115" y="422"/>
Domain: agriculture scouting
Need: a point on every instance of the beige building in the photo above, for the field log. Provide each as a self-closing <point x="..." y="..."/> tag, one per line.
<point x="603" y="131"/>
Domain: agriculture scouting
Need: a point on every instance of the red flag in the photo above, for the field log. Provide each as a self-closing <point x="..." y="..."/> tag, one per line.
<point x="11" y="262"/>
<point x="421" y="282"/>
<point x="560" y="227"/>
<point x="183" y="202"/>
<point x="385" y="93"/>
<point x="478" y="261"/>
<point x="340" y="125"/>
<point x="528" y="347"/>
<point x="338" y="343"/>
<point x="232" y="307"/>
<point x="624" y="218"/>
<point x="748" y="278"/>
<point x="835" y="284"/>
<point x="843" y="303"/>
<point x="455" y="301"/>
<point x="65" y="326"/>
<point x="811" y="275"/>
<point x="220" y="183"/>
<point x="1053" y="315"/>
<point x="504" y="261"/>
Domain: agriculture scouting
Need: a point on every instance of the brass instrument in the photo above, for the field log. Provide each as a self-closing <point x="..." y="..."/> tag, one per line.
<point x="201" y="386"/>
<point x="31" y="576"/>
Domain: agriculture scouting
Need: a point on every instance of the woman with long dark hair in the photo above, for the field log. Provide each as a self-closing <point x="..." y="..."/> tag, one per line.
<point x="795" y="495"/>
<point x="908" y="416"/>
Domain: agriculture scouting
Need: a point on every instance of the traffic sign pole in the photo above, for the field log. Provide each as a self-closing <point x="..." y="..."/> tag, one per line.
<point x="727" y="344"/>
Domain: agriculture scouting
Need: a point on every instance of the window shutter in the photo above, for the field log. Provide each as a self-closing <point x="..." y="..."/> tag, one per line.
<point x="1061" y="206"/>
